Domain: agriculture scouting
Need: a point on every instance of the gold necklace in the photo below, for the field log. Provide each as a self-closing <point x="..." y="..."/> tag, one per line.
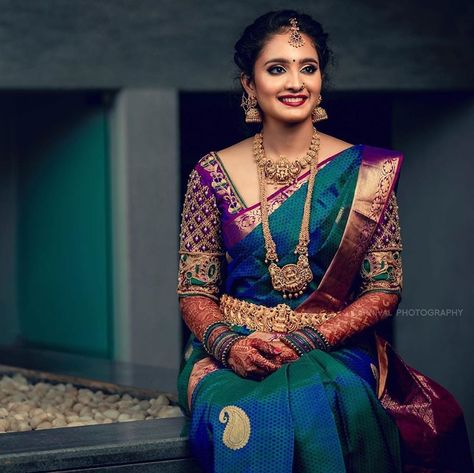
<point x="291" y="279"/>
<point x="282" y="171"/>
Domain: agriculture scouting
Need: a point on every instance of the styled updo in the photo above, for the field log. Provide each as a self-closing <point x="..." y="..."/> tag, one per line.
<point x="254" y="37"/>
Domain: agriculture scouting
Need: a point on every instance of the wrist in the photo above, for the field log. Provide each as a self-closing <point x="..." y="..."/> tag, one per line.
<point x="224" y="354"/>
<point x="218" y="339"/>
<point x="211" y="332"/>
<point x="305" y="340"/>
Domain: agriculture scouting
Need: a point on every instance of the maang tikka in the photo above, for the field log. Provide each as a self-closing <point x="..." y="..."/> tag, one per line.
<point x="252" y="113"/>
<point x="296" y="40"/>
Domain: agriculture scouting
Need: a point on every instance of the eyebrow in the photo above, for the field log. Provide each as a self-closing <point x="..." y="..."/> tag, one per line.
<point x="287" y="61"/>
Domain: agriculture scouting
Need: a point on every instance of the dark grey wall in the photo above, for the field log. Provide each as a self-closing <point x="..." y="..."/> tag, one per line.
<point x="435" y="196"/>
<point x="144" y="175"/>
<point x="8" y="224"/>
<point x="188" y="44"/>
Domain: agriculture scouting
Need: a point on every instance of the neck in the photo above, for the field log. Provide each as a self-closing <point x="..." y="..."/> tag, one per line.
<point x="290" y="140"/>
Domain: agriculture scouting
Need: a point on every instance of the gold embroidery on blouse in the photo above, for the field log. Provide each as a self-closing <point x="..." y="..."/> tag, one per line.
<point x="237" y="431"/>
<point x="200" y="249"/>
<point x="220" y="184"/>
<point x="381" y="269"/>
<point x="200" y="224"/>
<point x="199" y="273"/>
<point x="387" y="235"/>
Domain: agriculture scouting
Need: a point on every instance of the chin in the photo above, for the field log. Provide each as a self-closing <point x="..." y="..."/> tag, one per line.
<point x="296" y="119"/>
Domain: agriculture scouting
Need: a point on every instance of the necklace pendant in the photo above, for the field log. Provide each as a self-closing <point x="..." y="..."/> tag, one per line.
<point x="282" y="172"/>
<point x="291" y="279"/>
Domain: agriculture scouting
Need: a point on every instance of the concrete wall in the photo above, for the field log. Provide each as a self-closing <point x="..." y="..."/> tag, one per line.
<point x="435" y="197"/>
<point x="188" y="45"/>
<point x="144" y="163"/>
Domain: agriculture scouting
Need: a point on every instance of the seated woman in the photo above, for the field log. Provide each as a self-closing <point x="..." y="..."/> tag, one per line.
<point x="290" y="254"/>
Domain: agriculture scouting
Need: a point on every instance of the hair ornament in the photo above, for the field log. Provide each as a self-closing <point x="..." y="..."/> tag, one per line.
<point x="296" y="40"/>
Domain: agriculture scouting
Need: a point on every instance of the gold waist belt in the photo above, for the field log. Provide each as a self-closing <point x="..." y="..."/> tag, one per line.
<point x="281" y="318"/>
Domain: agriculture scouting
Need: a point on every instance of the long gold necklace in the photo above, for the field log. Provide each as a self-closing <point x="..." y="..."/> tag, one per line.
<point x="291" y="279"/>
<point x="283" y="171"/>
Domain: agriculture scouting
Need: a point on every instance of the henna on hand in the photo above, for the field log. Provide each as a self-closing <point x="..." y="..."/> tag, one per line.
<point x="246" y="359"/>
<point x="285" y="355"/>
<point x="363" y="313"/>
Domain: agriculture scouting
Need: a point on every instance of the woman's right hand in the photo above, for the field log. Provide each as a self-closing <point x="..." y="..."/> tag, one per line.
<point x="249" y="358"/>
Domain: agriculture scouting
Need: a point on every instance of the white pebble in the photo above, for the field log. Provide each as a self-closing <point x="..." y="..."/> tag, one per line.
<point x="111" y="414"/>
<point x="170" y="411"/>
<point x="34" y="406"/>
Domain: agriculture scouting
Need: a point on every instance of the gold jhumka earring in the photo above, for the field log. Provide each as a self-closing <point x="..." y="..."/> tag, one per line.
<point x="318" y="112"/>
<point x="252" y="113"/>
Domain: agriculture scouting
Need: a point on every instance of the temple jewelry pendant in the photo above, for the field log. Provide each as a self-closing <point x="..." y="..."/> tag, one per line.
<point x="291" y="279"/>
<point x="282" y="171"/>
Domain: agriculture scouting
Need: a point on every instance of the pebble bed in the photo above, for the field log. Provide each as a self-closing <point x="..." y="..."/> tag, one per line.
<point x="28" y="406"/>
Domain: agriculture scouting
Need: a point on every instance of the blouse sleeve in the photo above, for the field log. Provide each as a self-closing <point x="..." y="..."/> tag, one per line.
<point x="200" y="250"/>
<point x="381" y="269"/>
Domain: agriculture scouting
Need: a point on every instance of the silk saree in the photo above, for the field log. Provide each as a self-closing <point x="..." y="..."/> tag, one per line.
<point x="321" y="413"/>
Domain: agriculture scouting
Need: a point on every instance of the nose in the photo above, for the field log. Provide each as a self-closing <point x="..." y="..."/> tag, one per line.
<point x="294" y="81"/>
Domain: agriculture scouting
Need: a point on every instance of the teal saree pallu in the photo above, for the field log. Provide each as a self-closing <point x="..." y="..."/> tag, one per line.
<point x="247" y="274"/>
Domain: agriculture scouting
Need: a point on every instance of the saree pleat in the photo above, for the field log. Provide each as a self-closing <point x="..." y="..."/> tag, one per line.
<point x="314" y="415"/>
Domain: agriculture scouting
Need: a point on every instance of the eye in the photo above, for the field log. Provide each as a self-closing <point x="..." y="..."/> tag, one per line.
<point x="276" y="70"/>
<point x="310" y="69"/>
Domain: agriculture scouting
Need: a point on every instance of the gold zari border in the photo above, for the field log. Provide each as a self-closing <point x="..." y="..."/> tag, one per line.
<point x="281" y="319"/>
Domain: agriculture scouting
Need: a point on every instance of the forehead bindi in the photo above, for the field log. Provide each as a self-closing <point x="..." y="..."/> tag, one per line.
<point x="278" y="47"/>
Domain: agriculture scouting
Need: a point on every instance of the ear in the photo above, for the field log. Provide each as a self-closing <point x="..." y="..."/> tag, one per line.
<point x="248" y="84"/>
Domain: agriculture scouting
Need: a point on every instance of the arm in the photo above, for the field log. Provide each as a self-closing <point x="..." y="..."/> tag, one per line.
<point x="363" y="313"/>
<point x="380" y="285"/>
<point x="199" y="280"/>
<point x="200" y="257"/>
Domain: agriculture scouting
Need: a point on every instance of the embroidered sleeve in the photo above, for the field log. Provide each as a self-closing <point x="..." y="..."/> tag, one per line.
<point x="200" y="249"/>
<point x="381" y="269"/>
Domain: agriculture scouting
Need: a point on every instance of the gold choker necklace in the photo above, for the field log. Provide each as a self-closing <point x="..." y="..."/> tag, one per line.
<point x="291" y="279"/>
<point x="283" y="171"/>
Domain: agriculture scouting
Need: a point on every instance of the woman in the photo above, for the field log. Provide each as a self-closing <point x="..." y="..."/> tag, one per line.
<point x="290" y="254"/>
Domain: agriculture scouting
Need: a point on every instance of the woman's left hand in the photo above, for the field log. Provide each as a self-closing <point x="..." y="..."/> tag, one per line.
<point x="286" y="354"/>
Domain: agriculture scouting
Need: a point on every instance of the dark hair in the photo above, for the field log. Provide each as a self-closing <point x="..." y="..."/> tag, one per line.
<point x="254" y="37"/>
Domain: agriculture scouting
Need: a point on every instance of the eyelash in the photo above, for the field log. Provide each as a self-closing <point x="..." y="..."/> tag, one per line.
<point x="314" y="69"/>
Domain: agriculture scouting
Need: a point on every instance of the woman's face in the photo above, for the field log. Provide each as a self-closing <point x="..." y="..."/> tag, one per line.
<point x="279" y="73"/>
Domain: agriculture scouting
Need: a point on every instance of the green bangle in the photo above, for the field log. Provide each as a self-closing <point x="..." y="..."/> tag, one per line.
<point x="226" y="349"/>
<point x="290" y="343"/>
<point x="207" y="333"/>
